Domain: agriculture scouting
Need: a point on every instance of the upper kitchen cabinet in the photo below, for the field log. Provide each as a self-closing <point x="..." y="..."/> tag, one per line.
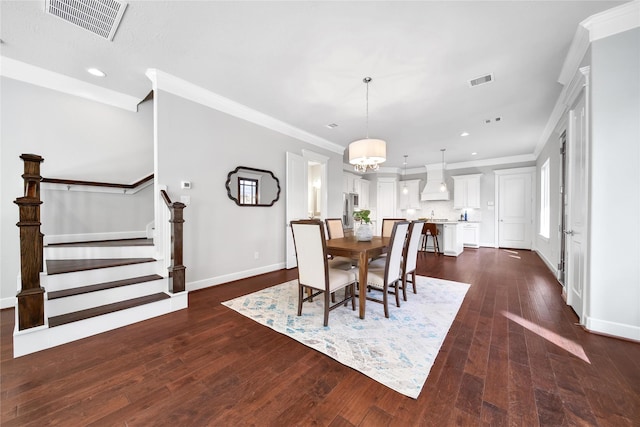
<point x="410" y="200"/>
<point x="466" y="191"/>
<point x="349" y="182"/>
<point x="363" y="194"/>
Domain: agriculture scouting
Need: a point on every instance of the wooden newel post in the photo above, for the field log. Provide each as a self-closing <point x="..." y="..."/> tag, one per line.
<point x="176" y="270"/>
<point x="31" y="295"/>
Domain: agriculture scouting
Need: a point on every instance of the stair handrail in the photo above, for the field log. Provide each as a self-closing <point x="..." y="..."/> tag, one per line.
<point x="176" y="269"/>
<point x="31" y="295"/>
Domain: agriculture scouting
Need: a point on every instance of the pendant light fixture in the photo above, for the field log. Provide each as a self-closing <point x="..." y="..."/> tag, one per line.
<point x="405" y="189"/>
<point x="443" y="184"/>
<point x="367" y="154"/>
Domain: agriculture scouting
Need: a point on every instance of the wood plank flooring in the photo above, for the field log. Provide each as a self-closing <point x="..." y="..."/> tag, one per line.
<point x="208" y="365"/>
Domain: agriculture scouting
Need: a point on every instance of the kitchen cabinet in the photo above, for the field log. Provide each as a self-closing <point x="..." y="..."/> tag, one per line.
<point x="452" y="239"/>
<point x="349" y="182"/>
<point x="466" y="191"/>
<point x="471" y="234"/>
<point x="363" y="199"/>
<point x="411" y="200"/>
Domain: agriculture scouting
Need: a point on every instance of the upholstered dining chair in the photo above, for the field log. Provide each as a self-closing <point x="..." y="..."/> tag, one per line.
<point x="314" y="272"/>
<point x="410" y="256"/>
<point x="387" y="225"/>
<point x="380" y="278"/>
<point x="335" y="230"/>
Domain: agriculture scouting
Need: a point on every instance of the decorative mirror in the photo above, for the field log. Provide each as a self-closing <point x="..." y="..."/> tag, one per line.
<point x="252" y="187"/>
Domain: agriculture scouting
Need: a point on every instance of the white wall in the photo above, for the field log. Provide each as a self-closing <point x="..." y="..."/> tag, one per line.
<point x="79" y="139"/>
<point x="614" y="272"/>
<point x="201" y="145"/>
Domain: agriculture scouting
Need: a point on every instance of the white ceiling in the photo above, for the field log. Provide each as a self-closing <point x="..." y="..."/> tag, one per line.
<point x="303" y="63"/>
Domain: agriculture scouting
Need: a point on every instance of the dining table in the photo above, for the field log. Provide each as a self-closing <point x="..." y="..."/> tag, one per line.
<point x="362" y="251"/>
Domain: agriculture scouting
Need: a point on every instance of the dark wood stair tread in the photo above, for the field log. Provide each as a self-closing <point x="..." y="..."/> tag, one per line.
<point x="101" y="286"/>
<point x="58" y="266"/>
<point x="106" y="243"/>
<point x="105" y="309"/>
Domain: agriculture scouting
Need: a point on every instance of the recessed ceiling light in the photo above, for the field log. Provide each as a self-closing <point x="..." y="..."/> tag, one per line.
<point x="331" y="125"/>
<point x="474" y="153"/>
<point x="464" y="134"/>
<point x="96" y="72"/>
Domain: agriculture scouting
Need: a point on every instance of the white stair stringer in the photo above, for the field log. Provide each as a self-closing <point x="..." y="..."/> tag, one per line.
<point x="40" y="338"/>
<point x="68" y="304"/>
<point x="62" y="281"/>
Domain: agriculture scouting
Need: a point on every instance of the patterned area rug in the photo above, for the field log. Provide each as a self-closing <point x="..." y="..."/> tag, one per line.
<point x="397" y="352"/>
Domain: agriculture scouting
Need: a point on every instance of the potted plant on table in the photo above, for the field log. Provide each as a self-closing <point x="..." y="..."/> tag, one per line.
<point x="364" y="232"/>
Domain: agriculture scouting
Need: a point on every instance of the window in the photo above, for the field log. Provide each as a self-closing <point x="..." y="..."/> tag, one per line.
<point x="248" y="191"/>
<point x="545" y="212"/>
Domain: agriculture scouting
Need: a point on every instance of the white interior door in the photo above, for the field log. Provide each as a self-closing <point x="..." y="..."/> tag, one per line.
<point x="296" y="200"/>
<point x="576" y="206"/>
<point x="515" y="209"/>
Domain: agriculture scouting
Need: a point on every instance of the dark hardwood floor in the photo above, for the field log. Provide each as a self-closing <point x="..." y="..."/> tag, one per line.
<point x="208" y="365"/>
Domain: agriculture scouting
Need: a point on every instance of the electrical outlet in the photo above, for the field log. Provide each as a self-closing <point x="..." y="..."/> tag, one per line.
<point x="256" y="255"/>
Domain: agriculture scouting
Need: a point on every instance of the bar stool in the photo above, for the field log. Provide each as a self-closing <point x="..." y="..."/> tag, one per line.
<point x="430" y="229"/>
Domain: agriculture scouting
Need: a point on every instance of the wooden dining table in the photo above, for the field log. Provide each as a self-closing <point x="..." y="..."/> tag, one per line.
<point x="363" y="252"/>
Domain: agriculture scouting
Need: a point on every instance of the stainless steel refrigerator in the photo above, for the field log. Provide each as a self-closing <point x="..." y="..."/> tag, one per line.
<point x="349" y="204"/>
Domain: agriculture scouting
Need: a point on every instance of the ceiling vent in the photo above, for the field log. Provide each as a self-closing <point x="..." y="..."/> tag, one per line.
<point x="101" y="17"/>
<point x="481" y="80"/>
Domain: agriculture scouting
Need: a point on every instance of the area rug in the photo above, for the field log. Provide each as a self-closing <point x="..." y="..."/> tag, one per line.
<point x="397" y="352"/>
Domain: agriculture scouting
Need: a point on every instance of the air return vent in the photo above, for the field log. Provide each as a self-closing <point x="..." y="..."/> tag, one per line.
<point x="481" y="80"/>
<point x="101" y="17"/>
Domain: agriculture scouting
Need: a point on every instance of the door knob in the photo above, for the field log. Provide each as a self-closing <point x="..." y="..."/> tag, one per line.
<point x="568" y="232"/>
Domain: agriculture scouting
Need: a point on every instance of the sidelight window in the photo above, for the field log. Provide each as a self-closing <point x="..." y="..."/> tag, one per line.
<point x="545" y="211"/>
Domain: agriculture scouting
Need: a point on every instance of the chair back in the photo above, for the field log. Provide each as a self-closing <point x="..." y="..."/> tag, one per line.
<point x="335" y="228"/>
<point x="387" y="225"/>
<point x="430" y="228"/>
<point x="393" y="267"/>
<point x="311" y="253"/>
<point x="412" y="246"/>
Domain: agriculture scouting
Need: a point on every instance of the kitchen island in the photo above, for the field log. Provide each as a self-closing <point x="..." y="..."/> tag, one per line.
<point x="449" y="236"/>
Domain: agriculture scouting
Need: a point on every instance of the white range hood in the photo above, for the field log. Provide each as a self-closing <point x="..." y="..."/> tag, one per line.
<point x="435" y="177"/>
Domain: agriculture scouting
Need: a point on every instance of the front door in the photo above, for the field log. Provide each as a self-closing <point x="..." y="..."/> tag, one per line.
<point x="577" y="206"/>
<point x="515" y="208"/>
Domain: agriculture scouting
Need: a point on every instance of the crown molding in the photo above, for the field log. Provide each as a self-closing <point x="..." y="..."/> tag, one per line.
<point x="37" y="76"/>
<point x="613" y="21"/>
<point x="184" y="89"/>
<point x="523" y="158"/>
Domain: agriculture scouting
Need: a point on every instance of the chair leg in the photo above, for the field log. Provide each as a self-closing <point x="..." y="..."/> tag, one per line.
<point x="385" y="300"/>
<point x="413" y="281"/>
<point x="300" y="298"/>
<point x="396" y="286"/>
<point x="353" y="296"/>
<point x="436" y="245"/>
<point x="404" y="286"/>
<point x="327" y="303"/>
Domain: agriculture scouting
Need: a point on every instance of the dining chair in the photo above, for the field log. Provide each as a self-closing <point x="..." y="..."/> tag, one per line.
<point x="335" y="230"/>
<point x="430" y="229"/>
<point x="387" y="225"/>
<point x="410" y="256"/>
<point x="314" y="272"/>
<point x="380" y="278"/>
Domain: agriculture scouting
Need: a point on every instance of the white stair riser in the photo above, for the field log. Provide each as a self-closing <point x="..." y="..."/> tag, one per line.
<point x="58" y="282"/>
<point x="36" y="339"/>
<point x="70" y="304"/>
<point x="85" y="252"/>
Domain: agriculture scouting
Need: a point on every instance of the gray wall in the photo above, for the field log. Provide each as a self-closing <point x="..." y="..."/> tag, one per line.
<point x="614" y="274"/>
<point x="79" y="139"/>
<point x="201" y="145"/>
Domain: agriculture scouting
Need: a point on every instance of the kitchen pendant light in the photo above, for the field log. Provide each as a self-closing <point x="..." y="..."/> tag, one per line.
<point x="405" y="189"/>
<point x="443" y="185"/>
<point x="367" y="154"/>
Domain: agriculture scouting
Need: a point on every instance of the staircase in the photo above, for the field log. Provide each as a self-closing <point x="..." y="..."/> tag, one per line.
<point x="73" y="290"/>
<point x="93" y="287"/>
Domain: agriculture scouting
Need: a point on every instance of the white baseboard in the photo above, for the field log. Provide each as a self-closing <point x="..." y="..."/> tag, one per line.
<point x="68" y="238"/>
<point x="606" y="327"/>
<point x="218" y="280"/>
<point x="548" y="263"/>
